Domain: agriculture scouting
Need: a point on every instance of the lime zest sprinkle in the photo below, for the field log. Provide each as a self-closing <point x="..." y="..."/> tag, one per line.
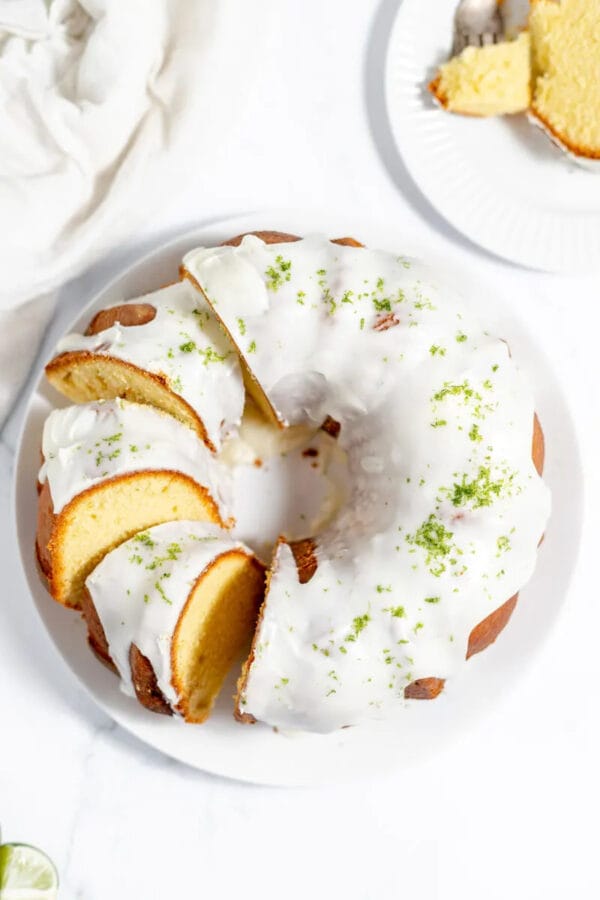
<point x="210" y="355"/>
<point x="359" y="623"/>
<point x="397" y="612"/>
<point x="503" y="544"/>
<point x="434" y="538"/>
<point x="481" y="490"/>
<point x="278" y="273"/>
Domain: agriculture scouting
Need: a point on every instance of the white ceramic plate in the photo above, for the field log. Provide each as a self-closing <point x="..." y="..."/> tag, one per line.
<point x="501" y="182"/>
<point x="257" y="753"/>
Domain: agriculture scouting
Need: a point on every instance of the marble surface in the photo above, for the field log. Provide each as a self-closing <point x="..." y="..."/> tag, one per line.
<point x="511" y="809"/>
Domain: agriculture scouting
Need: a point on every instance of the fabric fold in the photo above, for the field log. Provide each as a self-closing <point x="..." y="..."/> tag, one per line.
<point x="99" y="99"/>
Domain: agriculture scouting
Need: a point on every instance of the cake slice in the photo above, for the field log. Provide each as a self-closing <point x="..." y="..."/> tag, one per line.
<point x="165" y="349"/>
<point x="170" y="610"/>
<point x="111" y="469"/>
<point x="208" y="270"/>
<point x="493" y="80"/>
<point x="566" y="64"/>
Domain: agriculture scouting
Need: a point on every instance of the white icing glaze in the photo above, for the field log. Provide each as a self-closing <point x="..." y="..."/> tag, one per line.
<point x="86" y="444"/>
<point x="140" y="589"/>
<point x="445" y="509"/>
<point x="185" y="343"/>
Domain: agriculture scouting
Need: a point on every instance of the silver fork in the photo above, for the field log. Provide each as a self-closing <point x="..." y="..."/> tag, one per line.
<point x="477" y="23"/>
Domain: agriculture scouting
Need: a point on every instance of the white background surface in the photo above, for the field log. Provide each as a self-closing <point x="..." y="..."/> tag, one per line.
<point x="509" y="812"/>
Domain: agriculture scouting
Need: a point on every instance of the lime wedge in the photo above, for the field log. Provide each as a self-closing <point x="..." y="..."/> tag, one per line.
<point x="26" y="874"/>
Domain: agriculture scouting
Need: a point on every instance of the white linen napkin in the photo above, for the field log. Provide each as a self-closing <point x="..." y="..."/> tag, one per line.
<point x="104" y="107"/>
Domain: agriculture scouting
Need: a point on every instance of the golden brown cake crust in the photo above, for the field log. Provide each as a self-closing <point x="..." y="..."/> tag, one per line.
<point x="142" y="674"/>
<point x="424" y="689"/>
<point x="306" y="560"/>
<point x="269" y="237"/>
<point x="127" y="314"/>
<point x="434" y="87"/>
<point x="45" y="526"/>
<point x="96" y="636"/>
<point x="282" y="237"/>
<point x="331" y="427"/>
<point x="145" y="683"/>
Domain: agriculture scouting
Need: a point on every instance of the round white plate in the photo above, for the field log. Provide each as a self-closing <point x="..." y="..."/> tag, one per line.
<point x="258" y="753"/>
<point x="501" y="182"/>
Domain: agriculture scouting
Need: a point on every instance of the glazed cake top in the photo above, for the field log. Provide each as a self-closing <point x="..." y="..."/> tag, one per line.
<point x="445" y="507"/>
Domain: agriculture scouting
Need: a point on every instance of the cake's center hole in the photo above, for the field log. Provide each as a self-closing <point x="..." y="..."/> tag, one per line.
<point x="288" y="482"/>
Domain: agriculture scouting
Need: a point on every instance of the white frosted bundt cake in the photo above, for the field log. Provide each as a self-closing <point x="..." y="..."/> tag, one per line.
<point x="170" y="610"/>
<point x="446" y="508"/>
<point x="111" y="469"/>
<point x="437" y="511"/>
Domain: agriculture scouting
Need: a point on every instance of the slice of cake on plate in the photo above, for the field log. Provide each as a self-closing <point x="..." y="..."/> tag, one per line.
<point x="487" y="81"/>
<point x="551" y="72"/>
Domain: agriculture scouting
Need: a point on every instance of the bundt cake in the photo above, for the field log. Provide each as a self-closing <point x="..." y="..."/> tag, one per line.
<point x="494" y="80"/>
<point x="170" y="610"/>
<point x="566" y="69"/>
<point x="165" y="349"/>
<point x="446" y="507"/>
<point x="437" y="525"/>
<point x="111" y="469"/>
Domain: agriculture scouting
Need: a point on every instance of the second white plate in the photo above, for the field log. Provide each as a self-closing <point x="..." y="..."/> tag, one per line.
<point x="501" y="182"/>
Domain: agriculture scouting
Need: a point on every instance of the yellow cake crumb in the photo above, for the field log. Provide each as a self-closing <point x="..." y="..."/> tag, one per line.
<point x="566" y="69"/>
<point x="487" y="81"/>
